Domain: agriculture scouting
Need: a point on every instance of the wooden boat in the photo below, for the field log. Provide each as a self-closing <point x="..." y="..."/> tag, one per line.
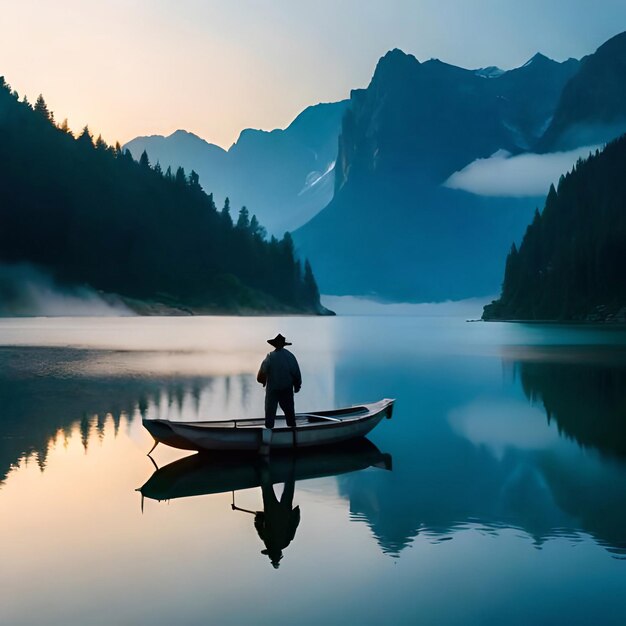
<point x="312" y="429"/>
<point x="221" y="472"/>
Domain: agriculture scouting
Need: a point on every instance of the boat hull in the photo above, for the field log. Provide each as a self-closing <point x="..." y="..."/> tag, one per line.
<point x="313" y="429"/>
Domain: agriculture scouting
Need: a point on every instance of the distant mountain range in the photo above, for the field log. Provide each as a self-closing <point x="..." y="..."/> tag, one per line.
<point x="284" y="176"/>
<point x="389" y="227"/>
<point x="392" y="230"/>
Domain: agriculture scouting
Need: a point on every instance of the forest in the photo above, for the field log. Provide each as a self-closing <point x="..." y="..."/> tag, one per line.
<point x="90" y="214"/>
<point x="570" y="264"/>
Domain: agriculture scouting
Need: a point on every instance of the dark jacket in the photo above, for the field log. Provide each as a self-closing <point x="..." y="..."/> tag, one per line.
<point x="279" y="371"/>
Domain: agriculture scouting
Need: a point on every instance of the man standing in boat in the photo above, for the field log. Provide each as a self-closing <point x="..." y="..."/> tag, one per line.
<point x="280" y="375"/>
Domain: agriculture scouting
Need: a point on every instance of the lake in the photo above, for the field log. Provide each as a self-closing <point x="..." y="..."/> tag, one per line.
<point x="495" y="495"/>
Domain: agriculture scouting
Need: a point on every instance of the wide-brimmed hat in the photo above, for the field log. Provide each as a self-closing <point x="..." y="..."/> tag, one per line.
<point x="279" y="341"/>
<point x="275" y="556"/>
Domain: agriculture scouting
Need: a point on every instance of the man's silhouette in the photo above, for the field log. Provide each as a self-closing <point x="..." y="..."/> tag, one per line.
<point x="278" y="522"/>
<point x="280" y="375"/>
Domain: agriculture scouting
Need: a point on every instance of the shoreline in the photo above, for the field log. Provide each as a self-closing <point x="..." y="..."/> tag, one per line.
<point x="596" y="323"/>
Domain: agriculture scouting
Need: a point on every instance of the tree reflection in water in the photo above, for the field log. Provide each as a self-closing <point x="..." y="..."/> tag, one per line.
<point x="585" y="397"/>
<point x="45" y="391"/>
<point x="448" y="479"/>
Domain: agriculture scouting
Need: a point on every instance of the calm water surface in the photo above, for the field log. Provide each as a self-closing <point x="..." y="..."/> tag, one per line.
<point x="495" y="495"/>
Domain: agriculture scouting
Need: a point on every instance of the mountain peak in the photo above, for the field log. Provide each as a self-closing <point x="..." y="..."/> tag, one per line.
<point x="616" y="46"/>
<point x="394" y="64"/>
<point x="538" y="58"/>
<point x="182" y="137"/>
<point x="395" y="55"/>
<point x="181" y="132"/>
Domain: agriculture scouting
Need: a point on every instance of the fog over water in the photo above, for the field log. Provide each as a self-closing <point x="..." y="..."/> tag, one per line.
<point x="26" y="290"/>
<point x="356" y="305"/>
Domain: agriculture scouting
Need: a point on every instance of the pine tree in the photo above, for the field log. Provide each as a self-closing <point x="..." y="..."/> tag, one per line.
<point x="194" y="180"/>
<point x="256" y="228"/>
<point x="311" y="289"/>
<point x="243" y="222"/>
<point x="65" y="127"/>
<point x="228" y="220"/>
<point x="42" y="108"/>
<point x="85" y="137"/>
<point x="144" y="161"/>
<point x="181" y="178"/>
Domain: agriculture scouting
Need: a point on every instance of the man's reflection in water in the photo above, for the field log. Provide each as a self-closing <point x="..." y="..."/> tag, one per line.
<point x="278" y="522"/>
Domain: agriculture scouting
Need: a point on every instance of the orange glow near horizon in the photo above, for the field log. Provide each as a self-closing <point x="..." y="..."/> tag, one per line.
<point x="142" y="67"/>
<point x="133" y="68"/>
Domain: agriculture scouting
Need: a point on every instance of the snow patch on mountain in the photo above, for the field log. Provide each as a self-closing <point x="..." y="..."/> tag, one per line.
<point x="315" y="178"/>
<point x="492" y="71"/>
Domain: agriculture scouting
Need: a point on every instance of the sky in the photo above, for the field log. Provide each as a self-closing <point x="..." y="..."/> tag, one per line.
<point x="214" y="67"/>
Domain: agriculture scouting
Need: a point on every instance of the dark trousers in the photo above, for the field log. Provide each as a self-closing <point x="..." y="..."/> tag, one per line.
<point x="284" y="398"/>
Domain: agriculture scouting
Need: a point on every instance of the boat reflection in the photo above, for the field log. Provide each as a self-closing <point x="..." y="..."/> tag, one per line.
<point x="203" y="474"/>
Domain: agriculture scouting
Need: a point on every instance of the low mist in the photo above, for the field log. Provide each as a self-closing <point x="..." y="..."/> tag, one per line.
<point x="27" y="291"/>
<point x="523" y="175"/>
<point x="355" y="305"/>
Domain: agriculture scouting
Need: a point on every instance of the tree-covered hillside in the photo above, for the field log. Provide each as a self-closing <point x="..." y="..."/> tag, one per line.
<point x="571" y="264"/>
<point x="286" y="175"/>
<point x="89" y="214"/>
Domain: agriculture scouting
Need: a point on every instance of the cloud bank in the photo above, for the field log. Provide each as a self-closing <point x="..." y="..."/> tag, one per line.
<point x="522" y="175"/>
<point x="27" y="291"/>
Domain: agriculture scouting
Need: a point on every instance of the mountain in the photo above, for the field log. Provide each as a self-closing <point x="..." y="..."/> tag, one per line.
<point x="283" y="176"/>
<point x="492" y="71"/>
<point x="592" y="108"/>
<point x="531" y="93"/>
<point x="570" y="264"/>
<point x="90" y="215"/>
<point x="392" y="230"/>
<point x="433" y="118"/>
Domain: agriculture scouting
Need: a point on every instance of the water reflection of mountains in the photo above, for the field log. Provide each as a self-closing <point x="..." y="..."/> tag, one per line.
<point x="441" y="481"/>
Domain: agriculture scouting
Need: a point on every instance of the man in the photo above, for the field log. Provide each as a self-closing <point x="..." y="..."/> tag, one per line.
<point x="280" y="375"/>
